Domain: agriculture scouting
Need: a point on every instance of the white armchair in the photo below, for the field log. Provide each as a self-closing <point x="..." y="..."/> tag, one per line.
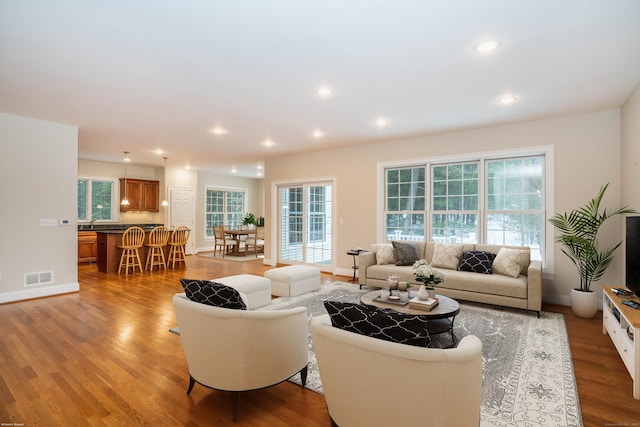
<point x="371" y="382"/>
<point x="241" y="350"/>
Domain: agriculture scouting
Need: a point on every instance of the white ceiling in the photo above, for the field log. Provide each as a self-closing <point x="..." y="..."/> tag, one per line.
<point x="146" y="75"/>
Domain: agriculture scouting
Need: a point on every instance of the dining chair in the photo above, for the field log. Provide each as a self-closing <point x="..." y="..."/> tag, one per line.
<point x="221" y="241"/>
<point x="177" y="243"/>
<point x="132" y="240"/>
<point x="255" y="241"/>
<point x="158" y="238"/>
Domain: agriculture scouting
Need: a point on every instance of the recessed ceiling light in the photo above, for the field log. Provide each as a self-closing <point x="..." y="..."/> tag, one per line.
<point x="159" y="152"/>
<point x="487" y="46"/>
<point x="381" y="122"/>
<point x="317" y="133"/>
<point x="233" y="169"/>
<point x="259" y="167"/>
<point x="324" y="91"/>
<point x="507" y="99"/>
<point x="218" y="131"/>
<point x="268" y="143"/>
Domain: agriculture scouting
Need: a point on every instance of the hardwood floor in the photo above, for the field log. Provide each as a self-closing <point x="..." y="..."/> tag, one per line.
<point x="104" y="356"/>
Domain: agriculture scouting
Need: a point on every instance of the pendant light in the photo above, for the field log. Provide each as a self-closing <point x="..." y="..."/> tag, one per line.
<point x="164" y="201"/>
<point x="125" y="201"/>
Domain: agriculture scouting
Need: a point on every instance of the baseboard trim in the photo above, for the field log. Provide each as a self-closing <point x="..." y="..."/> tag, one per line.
<point x="46" y="291"/>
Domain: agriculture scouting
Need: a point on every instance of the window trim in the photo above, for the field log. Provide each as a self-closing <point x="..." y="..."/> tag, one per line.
<point x="115" y="203"/>
<point x="548" y="177"/>
<point x="245" y="202"/>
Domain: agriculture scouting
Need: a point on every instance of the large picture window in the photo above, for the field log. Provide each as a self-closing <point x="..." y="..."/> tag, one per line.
<point x="454" y="217"/>
<point x="405" y="203"/>
<point x="497" y="201"/>
<point x="223" y="207"/>
<point x="95" y="200"/>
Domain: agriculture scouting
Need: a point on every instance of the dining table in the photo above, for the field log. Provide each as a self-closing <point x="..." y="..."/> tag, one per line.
<point x="235" y="235"/>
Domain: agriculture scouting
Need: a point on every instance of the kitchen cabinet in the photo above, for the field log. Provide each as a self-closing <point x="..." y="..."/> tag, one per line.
<point x="87" y="246"/>
<point x="143" y="195"/>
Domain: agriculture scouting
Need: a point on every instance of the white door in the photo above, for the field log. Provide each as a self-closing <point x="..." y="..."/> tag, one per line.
<point x="306" y="224"/>
<point x="182" y="213"/>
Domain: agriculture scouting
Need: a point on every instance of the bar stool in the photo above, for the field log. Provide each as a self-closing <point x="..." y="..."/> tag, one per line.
<point x="178" y="241"/>
<point x="132" y="240"/>
<point x="158" y="238"/>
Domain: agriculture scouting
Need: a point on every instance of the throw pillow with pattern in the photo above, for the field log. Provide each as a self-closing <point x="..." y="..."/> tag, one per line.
<point x="510" y="262"/>
<point x="376" y="323"/>
<point x="384" y="253"/>
<point x="477" y="262"/>
<point x="212" y="293"/>
<point x="406" y="253"/>
<point x="446" y="255"/>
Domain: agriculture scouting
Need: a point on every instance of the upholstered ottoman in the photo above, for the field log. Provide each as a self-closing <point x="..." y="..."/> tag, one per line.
<point x="293" y="280"/>
<point x="256" y="290"/>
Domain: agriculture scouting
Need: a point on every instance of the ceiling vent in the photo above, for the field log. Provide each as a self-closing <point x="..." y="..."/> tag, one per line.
<point x="42" y="278"/>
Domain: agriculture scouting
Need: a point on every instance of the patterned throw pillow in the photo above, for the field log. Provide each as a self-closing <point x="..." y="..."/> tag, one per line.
<point x="510" y="262"/>
<point x="212" y="293"/>
<point x="376" y="323"/>
<point x="477" y="262"/>
<point x="384" y="253"/>
<point x="406" y="253"/>
<point x="446" y="255"/>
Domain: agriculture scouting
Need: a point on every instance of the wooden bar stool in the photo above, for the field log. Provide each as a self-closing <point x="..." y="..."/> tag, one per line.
<point x="177" y="243"/>
<point x="158" y="238"/>
<point x="132" y="240"/>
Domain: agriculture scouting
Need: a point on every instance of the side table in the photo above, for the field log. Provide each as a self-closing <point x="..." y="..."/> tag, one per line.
<point x="354" y="253"/>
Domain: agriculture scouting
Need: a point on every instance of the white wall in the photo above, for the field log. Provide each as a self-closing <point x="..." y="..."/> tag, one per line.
<point x="37" y="181"/>
<point x="586" y="153"/>
<point x="630" y="159"/>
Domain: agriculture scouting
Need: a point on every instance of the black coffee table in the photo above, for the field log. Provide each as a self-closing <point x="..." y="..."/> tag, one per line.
<point x="439" y="319"/>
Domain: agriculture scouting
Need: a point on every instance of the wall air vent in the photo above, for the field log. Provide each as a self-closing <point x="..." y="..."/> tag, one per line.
<point x="42" y="278"/>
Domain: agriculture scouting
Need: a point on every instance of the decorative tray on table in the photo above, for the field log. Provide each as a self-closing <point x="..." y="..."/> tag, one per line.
<point x="391" y="300"/>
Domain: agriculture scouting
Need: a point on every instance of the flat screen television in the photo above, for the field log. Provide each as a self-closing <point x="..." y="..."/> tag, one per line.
<point x="632" y="254"/>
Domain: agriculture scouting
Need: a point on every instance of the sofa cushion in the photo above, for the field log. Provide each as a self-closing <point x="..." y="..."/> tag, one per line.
<point x="477" y="262"/>
<point x="384" y="253"/>
<point x="446" y="255"/>
<point x="377" y="323"/>
<point x="495" y="284"/>
<point x="406" y="253"/>
<point x="510" y="262"/>
<point x="212" y="293"/>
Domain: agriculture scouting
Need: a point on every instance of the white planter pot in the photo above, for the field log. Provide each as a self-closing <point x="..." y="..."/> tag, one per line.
<point x="584" y="304"/>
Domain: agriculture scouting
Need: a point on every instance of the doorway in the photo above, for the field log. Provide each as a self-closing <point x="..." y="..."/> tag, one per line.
<point x="182" y="213"/>
<point x="305" y="224"/>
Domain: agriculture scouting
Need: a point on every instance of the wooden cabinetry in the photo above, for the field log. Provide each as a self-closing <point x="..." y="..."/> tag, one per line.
<point x="622" y="323"/>
<point x="143" y="195"/>
<point x="87" y="246"/>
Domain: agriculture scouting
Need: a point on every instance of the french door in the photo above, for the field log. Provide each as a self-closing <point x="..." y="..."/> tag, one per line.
<point x="305" y="226"/>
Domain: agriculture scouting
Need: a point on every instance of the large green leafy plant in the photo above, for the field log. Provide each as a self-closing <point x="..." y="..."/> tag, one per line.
<point x="578" y="233"/>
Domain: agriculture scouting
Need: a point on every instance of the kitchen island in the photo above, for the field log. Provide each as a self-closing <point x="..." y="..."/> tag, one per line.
<point x="108" y="255"/>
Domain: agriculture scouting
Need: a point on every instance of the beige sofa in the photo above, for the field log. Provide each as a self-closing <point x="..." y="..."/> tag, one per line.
<point x="524" y="291"/>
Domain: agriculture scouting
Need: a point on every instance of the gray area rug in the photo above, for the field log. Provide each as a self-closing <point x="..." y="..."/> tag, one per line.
<point x="528" y="377"/>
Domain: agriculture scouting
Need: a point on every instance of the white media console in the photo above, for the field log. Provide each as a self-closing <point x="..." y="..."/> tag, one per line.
<point x="622" y="323"/>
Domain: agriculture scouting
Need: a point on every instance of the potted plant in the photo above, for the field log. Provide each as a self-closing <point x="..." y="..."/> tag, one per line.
<point x="249" y="220"/>
<point x="578" y="234"/>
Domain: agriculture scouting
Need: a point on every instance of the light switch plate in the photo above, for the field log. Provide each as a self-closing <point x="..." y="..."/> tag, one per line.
<point x="48" y="222"/>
